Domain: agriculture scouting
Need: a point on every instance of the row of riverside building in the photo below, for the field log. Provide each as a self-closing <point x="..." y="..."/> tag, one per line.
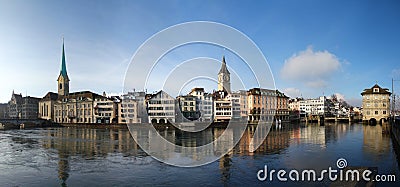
<point x="253" y="105"/>
<point x="256" y="104"/>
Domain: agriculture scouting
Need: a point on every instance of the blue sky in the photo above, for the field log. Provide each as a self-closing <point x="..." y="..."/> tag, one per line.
<point x="313" y="47"/>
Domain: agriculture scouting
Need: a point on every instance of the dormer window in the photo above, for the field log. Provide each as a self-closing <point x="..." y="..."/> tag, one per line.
<point x="376" y="90"/>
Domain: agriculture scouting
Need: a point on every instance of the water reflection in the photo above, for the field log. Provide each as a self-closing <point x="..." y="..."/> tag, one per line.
<point x="225" y="164"/>
<point x="376" y="140"/>
<point x="290" y="146"/>
<point x="88" y="144"/>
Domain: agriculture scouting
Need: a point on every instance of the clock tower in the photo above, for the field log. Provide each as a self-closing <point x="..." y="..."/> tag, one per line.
<point x="224" y="78"/>
<point x="63" y="80"/>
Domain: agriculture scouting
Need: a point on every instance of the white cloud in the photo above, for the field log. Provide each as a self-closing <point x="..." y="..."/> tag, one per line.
<point x="339" y="96"/>
<point x="316" y="83"/>
<point x="292" y="92"/>
<point x="314" y="68"/>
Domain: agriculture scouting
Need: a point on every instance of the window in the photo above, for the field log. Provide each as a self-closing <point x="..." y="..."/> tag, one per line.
<point x="384" y="112"/>
<point x="376" y="112"/>
<point x="376" y="90"/>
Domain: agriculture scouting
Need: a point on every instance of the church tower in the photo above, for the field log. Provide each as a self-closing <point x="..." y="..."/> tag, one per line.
<point x="63" y="80"/>
<point x="224" y="78"/>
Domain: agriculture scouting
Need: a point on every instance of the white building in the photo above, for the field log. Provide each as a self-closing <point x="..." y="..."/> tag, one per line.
<point x="204" y="102"/>
<point x="105" y="109"/>
<point x="161" y="108"/>
<point x="319" y="106"/>
<point x="222" y="106"/>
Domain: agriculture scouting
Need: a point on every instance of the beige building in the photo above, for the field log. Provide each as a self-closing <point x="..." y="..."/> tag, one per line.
<point x="266" y="104"/>
<point x="261" y="104"/>
<point x="106" y="109"/>
<point x="376" y="104"/>
<point x="282" y="106"/>
<point x="161" y="108"/>
<point x="75" y="107"/>
<point x="132" y="109"/>
<point x="46" y="106"/>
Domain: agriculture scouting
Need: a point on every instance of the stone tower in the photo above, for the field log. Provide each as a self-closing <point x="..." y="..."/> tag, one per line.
<point x="63" y="80"/>
<point x="224" y="78"/>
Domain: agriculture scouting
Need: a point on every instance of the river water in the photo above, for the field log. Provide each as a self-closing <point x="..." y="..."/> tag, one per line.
<point x="110" y="157"/>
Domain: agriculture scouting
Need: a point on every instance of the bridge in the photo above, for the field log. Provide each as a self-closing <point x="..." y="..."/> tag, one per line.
<point x="321" y="118"/>
<point x="24" y="123"/>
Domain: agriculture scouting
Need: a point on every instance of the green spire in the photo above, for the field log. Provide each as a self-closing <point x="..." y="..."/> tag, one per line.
<point x="63" y="71"/>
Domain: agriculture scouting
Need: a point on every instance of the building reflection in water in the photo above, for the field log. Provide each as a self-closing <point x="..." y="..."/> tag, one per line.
<point x="376" y="140"/>
<point x="89" y="144"/>
<point x="225" y="164"/>
<point x="99" y="143"/>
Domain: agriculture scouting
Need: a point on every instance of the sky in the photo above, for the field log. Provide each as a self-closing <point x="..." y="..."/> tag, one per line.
<point x="312" y="47"/>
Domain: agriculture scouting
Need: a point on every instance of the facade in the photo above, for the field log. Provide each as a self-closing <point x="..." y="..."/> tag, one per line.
<point x="106" y="109"/>
<point x="189" y="108"/>
<point x="262" y="104"/>
<point x="133" y="108"/>
<point x="77" y="107"/>
<point x="128" y="109"/>
<point x="319" y="106"/>
<point x="244" y="113"/>
<point x="294" y="104"/>
<point x="222" y="107"/>
<point x="23" y="107"/>
<point x="376" y="103"/>
<point x="282" y="106"/>
<point x="3" y="111"/>
<point x="46" y="106"/>
<point x="161" y="108"/>
<point x="235" y="97"/>
<point x="205" y="103"/>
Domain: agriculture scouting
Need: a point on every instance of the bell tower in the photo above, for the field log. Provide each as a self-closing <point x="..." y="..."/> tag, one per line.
<point x="224" y="78"/>
<point x="63" y="80"/>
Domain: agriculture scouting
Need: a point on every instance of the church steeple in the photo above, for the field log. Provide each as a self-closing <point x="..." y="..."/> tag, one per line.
<point x="224" y="82"/>
<point x="63" y="71"/>
<point x="63" y="80"/>
<point x="223" y="67"/>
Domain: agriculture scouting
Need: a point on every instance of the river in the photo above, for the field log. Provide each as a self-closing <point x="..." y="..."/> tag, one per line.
<point x="110" y="157"/>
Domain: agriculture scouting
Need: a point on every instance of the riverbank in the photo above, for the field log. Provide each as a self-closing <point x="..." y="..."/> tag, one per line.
<point x="124" y="126"/>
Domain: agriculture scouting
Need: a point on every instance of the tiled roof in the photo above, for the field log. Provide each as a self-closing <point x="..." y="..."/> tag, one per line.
<point x="380" y="90"/>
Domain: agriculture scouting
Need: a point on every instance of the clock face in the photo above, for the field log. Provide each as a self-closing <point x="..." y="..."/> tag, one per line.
<point x="226" y="78"/>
